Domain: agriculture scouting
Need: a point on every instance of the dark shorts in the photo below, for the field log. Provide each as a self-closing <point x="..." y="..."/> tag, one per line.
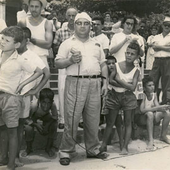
<point x="125" y="100"/>
<point x="10" y="108"/>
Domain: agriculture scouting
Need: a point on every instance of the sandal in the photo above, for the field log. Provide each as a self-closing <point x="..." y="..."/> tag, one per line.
<point x="101" y="155"/>
<point x="65" y="161"/>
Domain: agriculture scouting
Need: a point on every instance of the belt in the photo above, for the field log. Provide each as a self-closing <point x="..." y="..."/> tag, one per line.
<point x="162" y="58"/>
<point x="2" y="92"/>
<point x="87" y="77"/>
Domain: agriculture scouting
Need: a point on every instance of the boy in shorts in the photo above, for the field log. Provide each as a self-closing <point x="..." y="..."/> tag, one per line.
<point x="32" y="88"/>
<point x="12" y="66"/>
<point x="153" y="113"/>
<point x="111" y="60"/>
<point x="46" y="111"/>
<point x="123" y="79"/>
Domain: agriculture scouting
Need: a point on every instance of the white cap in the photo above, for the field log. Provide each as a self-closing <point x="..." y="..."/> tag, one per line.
<point x="83" y="15"/>
<point x="167" y="19"/>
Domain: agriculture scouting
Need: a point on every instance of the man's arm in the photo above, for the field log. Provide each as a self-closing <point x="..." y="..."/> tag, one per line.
<point x="46" y="75"/>
<point x="46" y="44"/>
<point x="161" y="48"/>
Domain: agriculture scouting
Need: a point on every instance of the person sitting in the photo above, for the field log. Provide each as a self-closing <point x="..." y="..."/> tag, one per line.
<point x="153" y="113"/>
<point x="46" y="111"/>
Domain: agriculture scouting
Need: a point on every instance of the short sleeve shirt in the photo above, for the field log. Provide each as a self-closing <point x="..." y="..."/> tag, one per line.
<point x="35" y="61"/>
<point x="11" y="72"/>
<point x="103" y="40"/>
<point x="92" y="56"/>
<point x="163" y="41"/>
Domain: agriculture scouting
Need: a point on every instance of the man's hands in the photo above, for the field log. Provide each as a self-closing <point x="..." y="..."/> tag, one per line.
<point x="76" y="56"/>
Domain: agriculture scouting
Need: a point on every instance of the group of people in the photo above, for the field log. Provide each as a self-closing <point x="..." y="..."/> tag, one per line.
<point x="97" y="75"/>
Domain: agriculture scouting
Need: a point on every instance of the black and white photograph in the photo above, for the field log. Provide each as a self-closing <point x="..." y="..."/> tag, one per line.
<point x="84" y="84"/>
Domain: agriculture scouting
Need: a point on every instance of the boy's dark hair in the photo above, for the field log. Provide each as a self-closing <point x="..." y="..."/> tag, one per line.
<point x="46" y="93"/>
<point x="146" y="80"/>
<point x="110" y="57"/>
<point x="15" y="32"/>
<point x="99" y="18"/>
<point x="134" y="45"/>
<point x="26" y="32"/>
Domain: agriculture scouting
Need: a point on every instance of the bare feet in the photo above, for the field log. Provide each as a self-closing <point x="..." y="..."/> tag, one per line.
<point x="124" y="152"/>
<point x="150" y="145"/>
<point x="26" y="152"/>
<point x="18" y="163"/>
<point x="165" y="139"/>
<point x="50" y="152"/>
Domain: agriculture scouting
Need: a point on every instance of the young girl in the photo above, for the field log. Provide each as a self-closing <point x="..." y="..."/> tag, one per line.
<point x="123" y="79"/>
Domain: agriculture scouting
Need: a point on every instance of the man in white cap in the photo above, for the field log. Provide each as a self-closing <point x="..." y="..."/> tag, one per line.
<point x="41" y="29"/>
<point x="161" y="65"/>
<point x="84" y="61"/>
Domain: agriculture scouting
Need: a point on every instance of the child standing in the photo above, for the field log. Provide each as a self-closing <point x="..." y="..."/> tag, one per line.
<point x="153" y="113"/>
<point x="12" y="66"/>
<point x="46" y="111"/>
<point x="111" y="60"/>
<point x="123" y="79"/>
<point x="32" y="88"/>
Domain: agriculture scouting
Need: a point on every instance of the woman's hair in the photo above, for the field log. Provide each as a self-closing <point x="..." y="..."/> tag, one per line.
<point x="129" y="17"/>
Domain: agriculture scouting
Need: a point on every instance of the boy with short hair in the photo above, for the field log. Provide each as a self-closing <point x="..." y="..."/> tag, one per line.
<point x="11" y="70"/>
<point x="153" y="113"/>
<point x="123" y="79"/>
<point x="111" y="60"/>
<point x="32" y="88"/>
<point x="46" y="111"/>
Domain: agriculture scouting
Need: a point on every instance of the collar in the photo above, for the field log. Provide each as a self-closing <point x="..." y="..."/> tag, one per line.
<point x="13" y="56"/>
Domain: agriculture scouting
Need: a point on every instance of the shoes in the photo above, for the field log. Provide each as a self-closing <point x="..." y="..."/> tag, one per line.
<point x="101" y="155"/>
<point x="61" y="126"/>
<point x="65" y="161"/>
<point x="81" y="125"/>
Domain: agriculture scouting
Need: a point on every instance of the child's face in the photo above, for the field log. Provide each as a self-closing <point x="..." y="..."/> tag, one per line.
<point x="110" y="64"/>
<point x="131" y="55"/>
<point x="154" y="31"/>
<point x="46" y="104"/>
<point x="7" y="43"/>
<point x="150" y="87"/>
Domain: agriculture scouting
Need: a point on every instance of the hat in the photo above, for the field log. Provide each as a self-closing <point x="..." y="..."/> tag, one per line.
<point x="167" y="19"/>
<point x="83" y="15"/>
<point x="44" y="2"/>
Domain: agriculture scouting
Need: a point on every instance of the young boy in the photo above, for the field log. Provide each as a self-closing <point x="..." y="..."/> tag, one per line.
<point x="32" y="88"/>
<point x="123" y="79"/>
<point x="111" y="60"/>
<point x="153" y="113"/>
<point x="12" y="66"/>
<point x="46" y="111"/>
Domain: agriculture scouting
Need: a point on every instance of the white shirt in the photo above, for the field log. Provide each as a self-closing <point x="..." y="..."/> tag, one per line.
<point x="117" y="39"/>
<point x="11" y="72"/>
<point x="35" y="61"/>
<point x="92" y="56"/>
<point x="161" y="40"/>
<point x="103" y="40"/>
